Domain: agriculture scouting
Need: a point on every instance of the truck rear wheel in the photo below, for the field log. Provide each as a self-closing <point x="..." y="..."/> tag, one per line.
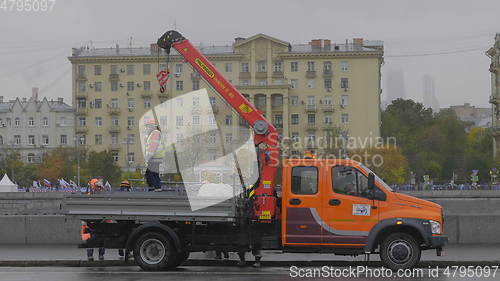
<point x="400" y="251"/>
<point x="153" y="252"/>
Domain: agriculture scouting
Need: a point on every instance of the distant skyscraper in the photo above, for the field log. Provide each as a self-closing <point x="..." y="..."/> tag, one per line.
<point x="395" y="86"/>
<point x="430" y="100"/>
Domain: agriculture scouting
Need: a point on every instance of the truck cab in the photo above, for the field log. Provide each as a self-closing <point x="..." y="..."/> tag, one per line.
<point x="341" y="206"/>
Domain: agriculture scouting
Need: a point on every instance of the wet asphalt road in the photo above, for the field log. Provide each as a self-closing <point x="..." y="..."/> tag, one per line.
<point x="183" y="273"/>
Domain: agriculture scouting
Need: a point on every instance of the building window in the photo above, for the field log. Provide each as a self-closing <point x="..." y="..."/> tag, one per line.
<point x="310" y="66"/>
<point x="130" y="86"/>
<point x="311" y="118"/>
<point x="114" y="139"/>
<point x="130" y="69"/>
<point x="147" y="102"/>
<point x="244" y="67"/>
<point x="81" y="86"/>
<point x="82" y="103"/>
<point x="311" y="100"/>
<point x="114" y="103"/>
<point x="146" y="85"/>
<point x="82" y="140"/>
<point x="130" y="138"/>
<point x="293" y="83"/>
<point x="261" y="66"/>
<point x="212" y="138"/>
<point x="229" y="138"/>
<point x="310" y="83"/>
<point x="196" y="85"/>
<point x="278" y="120"/>
<point x="114" y="121"/>
<point x="98" y="86"/>
<point x="8" y="121"/>
<point x="294" y="66"/>
<point x="146" y="69"/>
<point x="179" y="120"/>
<point x="115" y="156"/>
<point x="178" y="68"/>
<point x="82" y="122"/>
<point x="212" y="100"/>
<point x="17" y="122"/>
<point x="179" y="85"/>
<point x="130" y="157"/>
<point x="31" y="158"/>
<point x="98" y="121"/>
<point x="244" y="82"/>
<point x="327" y="100"/>
<point x="98" y="103"/>
<point x="328" y="119"/>
<point x="261" y="82"/>
<point x="229" y="67"/>
<point x="345" y="118"/>
<point x="114" y="86"/>
<point x="196" y="101"/>
<point x="45" y="140"/>
<point x="327" y="67"/>
<point x="81" y="70"/>
<point x="17" y="139"/>
<point x="63" y="139"/>
<point x="295" y="119"/>
<point x="278" y="66"/>
<point x="328" y="83"/>
<point x="344" y="100"/>
<point x="294" y="100"/>
<point x="344" y="83"/>
<point x="131" y="104"/>
<point x="114" y="69"/>
<point x="31" y="122"/>
<point x="97" y="69"/>
<point x="229" y="120"/>
<point x="130" y="121"/>
<point x="211" y="120"/>
<point x="344" y="66"/>
<point x="45" y="122"/>
<point x="31" y="140"/>
<point x="196" y="120"/>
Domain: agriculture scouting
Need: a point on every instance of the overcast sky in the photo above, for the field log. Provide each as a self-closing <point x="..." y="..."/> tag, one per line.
<point x="445" y="39"/>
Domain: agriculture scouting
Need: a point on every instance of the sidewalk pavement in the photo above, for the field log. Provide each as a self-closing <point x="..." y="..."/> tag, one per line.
<point x="46" y="253"/>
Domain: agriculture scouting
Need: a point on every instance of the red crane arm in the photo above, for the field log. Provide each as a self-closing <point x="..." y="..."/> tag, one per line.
<point x="264" y="199"/>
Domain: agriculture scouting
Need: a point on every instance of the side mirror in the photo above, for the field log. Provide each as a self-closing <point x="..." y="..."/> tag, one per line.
<point x="371" y="181"/>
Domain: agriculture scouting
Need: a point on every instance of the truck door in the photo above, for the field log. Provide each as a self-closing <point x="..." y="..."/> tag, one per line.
<point x="300" y="194"/>
<point x="348" y="215"/>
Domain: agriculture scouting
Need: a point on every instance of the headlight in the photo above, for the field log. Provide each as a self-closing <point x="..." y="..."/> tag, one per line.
<point x="435" y="227"/>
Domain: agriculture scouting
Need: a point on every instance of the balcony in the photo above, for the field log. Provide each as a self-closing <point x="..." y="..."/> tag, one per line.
<point x="245" y="75"/>
<point x="310" y="74"/>
<point x="327" y="107"/>
<point x="113" y="110"/>
<point x="114" y="77"/>
<point x="114" y="129"/>
<point x="310" y="108"/>
<point x="261" y="75"/>
<point x="327" y="73"/>
<point x="82" y="111"/>
<point x="82" y="129"/>
<point x="114" y="147"/>
<point x="311" y="126"/>
<point x="278" y="75"/>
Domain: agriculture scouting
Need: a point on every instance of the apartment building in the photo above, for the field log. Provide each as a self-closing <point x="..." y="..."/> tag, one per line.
<point x="311" y="92"/>
<point x="494" y="54"/>
<point x="32" y="127"/>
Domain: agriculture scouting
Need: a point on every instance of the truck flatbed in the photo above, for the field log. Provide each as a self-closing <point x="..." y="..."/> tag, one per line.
<point x="144" y="206"/>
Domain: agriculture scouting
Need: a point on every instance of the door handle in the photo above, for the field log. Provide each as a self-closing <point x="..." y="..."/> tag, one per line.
<point x="295" y="201"/>
<point x="334" y="202"/>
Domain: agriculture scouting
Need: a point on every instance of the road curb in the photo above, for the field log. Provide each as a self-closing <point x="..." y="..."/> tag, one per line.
<point x="108" y="263"/>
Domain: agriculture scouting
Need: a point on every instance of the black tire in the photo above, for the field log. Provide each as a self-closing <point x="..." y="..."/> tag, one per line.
<point x="153" y="251"/>
<point x="400" y="251"/>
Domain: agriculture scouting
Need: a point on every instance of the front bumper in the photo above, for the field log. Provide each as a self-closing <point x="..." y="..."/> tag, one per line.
<point x="439" y="241"/>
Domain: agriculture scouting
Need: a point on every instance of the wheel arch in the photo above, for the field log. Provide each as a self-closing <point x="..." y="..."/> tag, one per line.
<point x="414" y="227"/>
<point x="154" y="227"/>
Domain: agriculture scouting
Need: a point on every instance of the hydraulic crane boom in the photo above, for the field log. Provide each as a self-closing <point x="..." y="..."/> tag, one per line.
<point x="264" y="198"/>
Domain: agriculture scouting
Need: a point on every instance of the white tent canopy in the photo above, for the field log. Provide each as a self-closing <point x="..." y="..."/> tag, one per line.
<point x="6" y="185"/>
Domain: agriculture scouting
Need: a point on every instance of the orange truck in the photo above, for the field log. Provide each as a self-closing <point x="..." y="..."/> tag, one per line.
<point x="331" y="206"/>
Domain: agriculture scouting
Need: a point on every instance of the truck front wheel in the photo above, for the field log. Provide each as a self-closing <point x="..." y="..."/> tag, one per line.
<point x="400" y="251"/>
<point x="153" y="252"/>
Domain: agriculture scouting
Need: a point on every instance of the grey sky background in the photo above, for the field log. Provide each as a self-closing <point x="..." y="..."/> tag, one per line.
<point x="445" y="39"/>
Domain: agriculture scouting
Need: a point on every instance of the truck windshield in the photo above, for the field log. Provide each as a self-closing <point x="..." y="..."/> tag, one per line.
<point x="379" y="180"/>
<point x="197" y="141"/>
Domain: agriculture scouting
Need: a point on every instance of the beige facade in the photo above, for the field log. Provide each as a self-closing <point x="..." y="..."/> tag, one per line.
<point x="494" y="54"/>
<point x="309" y="91"/>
